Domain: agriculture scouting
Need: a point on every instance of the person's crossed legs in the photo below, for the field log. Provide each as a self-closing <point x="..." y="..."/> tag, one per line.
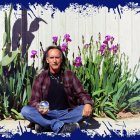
<point x="57" y="120"/>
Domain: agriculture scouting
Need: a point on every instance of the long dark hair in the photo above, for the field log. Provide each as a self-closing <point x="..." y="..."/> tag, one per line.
<point x="45" y="65"/>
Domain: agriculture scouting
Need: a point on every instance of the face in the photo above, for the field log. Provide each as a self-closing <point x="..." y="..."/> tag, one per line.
<point x="54" y="59"/>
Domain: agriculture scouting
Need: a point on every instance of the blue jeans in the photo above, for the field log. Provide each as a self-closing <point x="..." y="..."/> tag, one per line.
<point x="54" y="118"/>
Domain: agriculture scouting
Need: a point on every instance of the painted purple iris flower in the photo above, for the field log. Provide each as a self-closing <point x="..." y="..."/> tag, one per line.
<point x="33" y="53"/>
<point x="67" y="38"/>
<point x="78" y="62"/>
<point x="55" y="38"/>
<point x="105" y="42"/>
<point x="114" y="48"/>
<point x="102" y="49"/>
<point x="108" y="38"/>
<point x="64" y="47"/>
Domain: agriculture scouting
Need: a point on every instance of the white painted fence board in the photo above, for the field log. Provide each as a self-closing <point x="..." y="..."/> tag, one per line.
<point x="2" y="31"/>
<point x="125" y="35"/>
<point x="99" y="23"/>
<point x="45" y="31"/>
<point x="135" y="40"/>
<point x="35" y="43"/>
<point x="72" y="29"/>
<point x="112" y="25"/>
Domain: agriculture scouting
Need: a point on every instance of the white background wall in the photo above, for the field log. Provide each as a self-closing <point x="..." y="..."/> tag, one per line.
<point x="125" y="28"/>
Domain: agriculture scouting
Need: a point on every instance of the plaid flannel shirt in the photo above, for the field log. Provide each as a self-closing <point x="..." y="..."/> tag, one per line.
<point x="73" y="88"/>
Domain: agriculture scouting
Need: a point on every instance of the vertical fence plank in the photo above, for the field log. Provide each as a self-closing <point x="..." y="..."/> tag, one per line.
<point x="33" y="32"/>
<point x="99" y="23"/>
<point x="135" y="40"/>
<point x="2" y="31"/>
<point x="45" y="31"/>
<point x="72" y="29"/>
<point x="112" y="24"/>
<point x="125" y="35"/>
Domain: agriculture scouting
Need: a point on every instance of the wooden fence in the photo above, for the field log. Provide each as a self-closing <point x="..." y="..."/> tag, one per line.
<point x="123" y="26"/>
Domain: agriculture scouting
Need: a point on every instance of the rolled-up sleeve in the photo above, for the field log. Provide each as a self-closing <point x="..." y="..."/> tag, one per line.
<point x="36" y="94"/>
<point x="78" y="89"/>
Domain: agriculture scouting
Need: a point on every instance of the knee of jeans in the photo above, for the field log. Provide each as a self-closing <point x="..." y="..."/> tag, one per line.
<point x="25" y="111"/>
